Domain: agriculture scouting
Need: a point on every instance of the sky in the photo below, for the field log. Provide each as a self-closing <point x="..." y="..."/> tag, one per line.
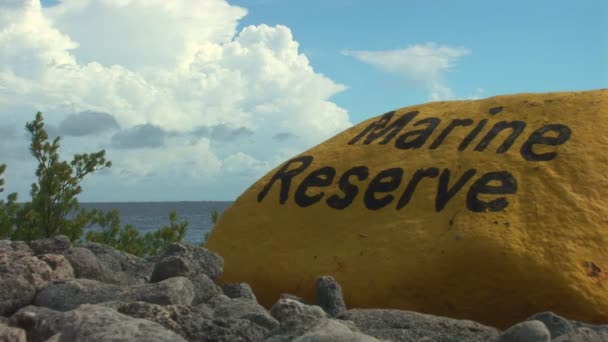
<point x="197" y="99"/>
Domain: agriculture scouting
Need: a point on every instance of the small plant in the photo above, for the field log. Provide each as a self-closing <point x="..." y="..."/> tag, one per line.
<point x="8" y="210"/>
<point x="214" y="217"/>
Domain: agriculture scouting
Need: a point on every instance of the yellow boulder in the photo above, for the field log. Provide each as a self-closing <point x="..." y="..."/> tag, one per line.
<point x="489" y="210"/>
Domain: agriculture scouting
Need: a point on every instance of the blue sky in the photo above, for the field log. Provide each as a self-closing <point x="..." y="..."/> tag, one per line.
<point x="195" y="100"/>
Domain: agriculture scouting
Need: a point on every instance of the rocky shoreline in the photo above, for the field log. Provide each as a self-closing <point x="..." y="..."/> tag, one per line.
<point x="53" y="291"/>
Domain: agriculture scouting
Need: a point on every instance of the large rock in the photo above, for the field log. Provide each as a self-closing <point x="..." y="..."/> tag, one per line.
<point x="456" y="208"/>
<point x="127" y="269"/>
<point x="53" y="245"/>
<point x="39" y="323"/>
<point x="68" y="295"/>
<point x="15" y="293"/>
<point x="86" y="265"/>
<point x="397" y="325"/>
<point x="186" y="260"/>
<point x="98" y="323"/>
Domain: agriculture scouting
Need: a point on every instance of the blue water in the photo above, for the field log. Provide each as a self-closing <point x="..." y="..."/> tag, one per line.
<point x="149" y="216"/>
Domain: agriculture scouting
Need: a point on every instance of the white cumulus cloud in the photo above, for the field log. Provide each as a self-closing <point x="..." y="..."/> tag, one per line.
<point x="193" y="97"/>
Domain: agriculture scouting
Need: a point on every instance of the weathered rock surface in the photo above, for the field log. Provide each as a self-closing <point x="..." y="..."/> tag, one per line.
<point x="127" y="269"/>
<point x="54" y="245"/>
<point x="241" y="308"/>
<point x="10" y="334"/>
<point x="528" y="331"/>
<point x="398" y="325"/>
<point x="39" y="323"/>
<point x="285" y="309"/>
<point x="183" y="259"/>
<point x="15" y="293"/>
<point x="68" y="295"/>
<point x="239" y="290"/>
<point x="86" y="265"/>
<point x="98" y="323"/>
<point x="329" y="296"/>
<point x="204" y="288"/>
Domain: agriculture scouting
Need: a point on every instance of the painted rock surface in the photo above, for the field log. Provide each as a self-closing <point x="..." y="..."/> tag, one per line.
<point x="489" y="210"/>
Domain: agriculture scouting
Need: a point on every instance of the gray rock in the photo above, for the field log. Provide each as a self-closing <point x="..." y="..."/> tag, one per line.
<point x="32" y="269"/>
<point x="98" y="323"/>
<point x="329" y="296"/>
<point x="183" y="259"/>
<point x="176" y="290"/>
<point x="204" y="289"/>
<point x="294" y="297"/>
<point x="61" y="269"/>
<point x="15" y="293"/>
<point x="329" y="330"/>
<point x="527" y="331"/>
<point x="10" y="250"/>
<point x="53" y="245"/>
<point x="556" y="324"/>
<point x="86" y="265"/>
<point x="218" y="300"/>
<point x="195" y="323"/>
<point x="582" y="334"/>
<point x="240" y="308"/>
<point x="39" y="323"/>
<point x="10" y="334"/>
<point x="239" y="290"/>
<point x="292" y="328"/>
<point x="3" y="319"/>
<point x="68" y="295"/>
<point x="285" y="309"/>
<point x="400" y="325"/>
<point x="126" y="269"/>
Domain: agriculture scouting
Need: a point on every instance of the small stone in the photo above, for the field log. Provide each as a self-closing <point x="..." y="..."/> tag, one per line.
<point x="285" y="309"/>
<point x="61" y="269"/>
<point x="53" y="245"/>
<point x="10" y="334"/>
<point x="239" y="290"/>
<point x="329" y="296"/>
<point x="39" y="323"/>
<point x="556" y="324"/>
<point x="527" y="331"/>
<point x="182" y="259"/>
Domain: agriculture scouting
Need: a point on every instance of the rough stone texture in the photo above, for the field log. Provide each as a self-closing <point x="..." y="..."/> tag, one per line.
<point x="204" y="289"/>
<point x="10" y="250"/>
<point x="68" y="295"/>
<point x="176" y="290"/>
<point x="293" y="328"/>
<point x="245" y="309"/>
<point x="98" y="323"/>
<point x="333" y="330"/>
<point x="15" y="292"/>
<point x="39" y="323"/>
<point x="528" y="331"/>
<point x="53" y="245"/>
<point x="329" y="296"/>
<point x="61" y="269"/>
<point x="285" y="309"/>
<point x="10" y="334"/>
<point x="238" y="290"/>
<point x="125" y="268"/>
<point x="86" y="265"/>
<point x="195" y="323"/>
<point x="556" y="324"/>
<point x="396" y="237"/>
<point x="183" y="259"/>
<point x="34" y="270"/>
<point x="399" y="325"/>
<point x="582" y="335"/>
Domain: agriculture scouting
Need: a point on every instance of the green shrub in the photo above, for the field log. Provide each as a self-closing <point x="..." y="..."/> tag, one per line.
<point x="54" y="208"/>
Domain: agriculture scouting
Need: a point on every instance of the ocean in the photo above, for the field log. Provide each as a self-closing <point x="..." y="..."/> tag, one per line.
<point x="149" y="216"/>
